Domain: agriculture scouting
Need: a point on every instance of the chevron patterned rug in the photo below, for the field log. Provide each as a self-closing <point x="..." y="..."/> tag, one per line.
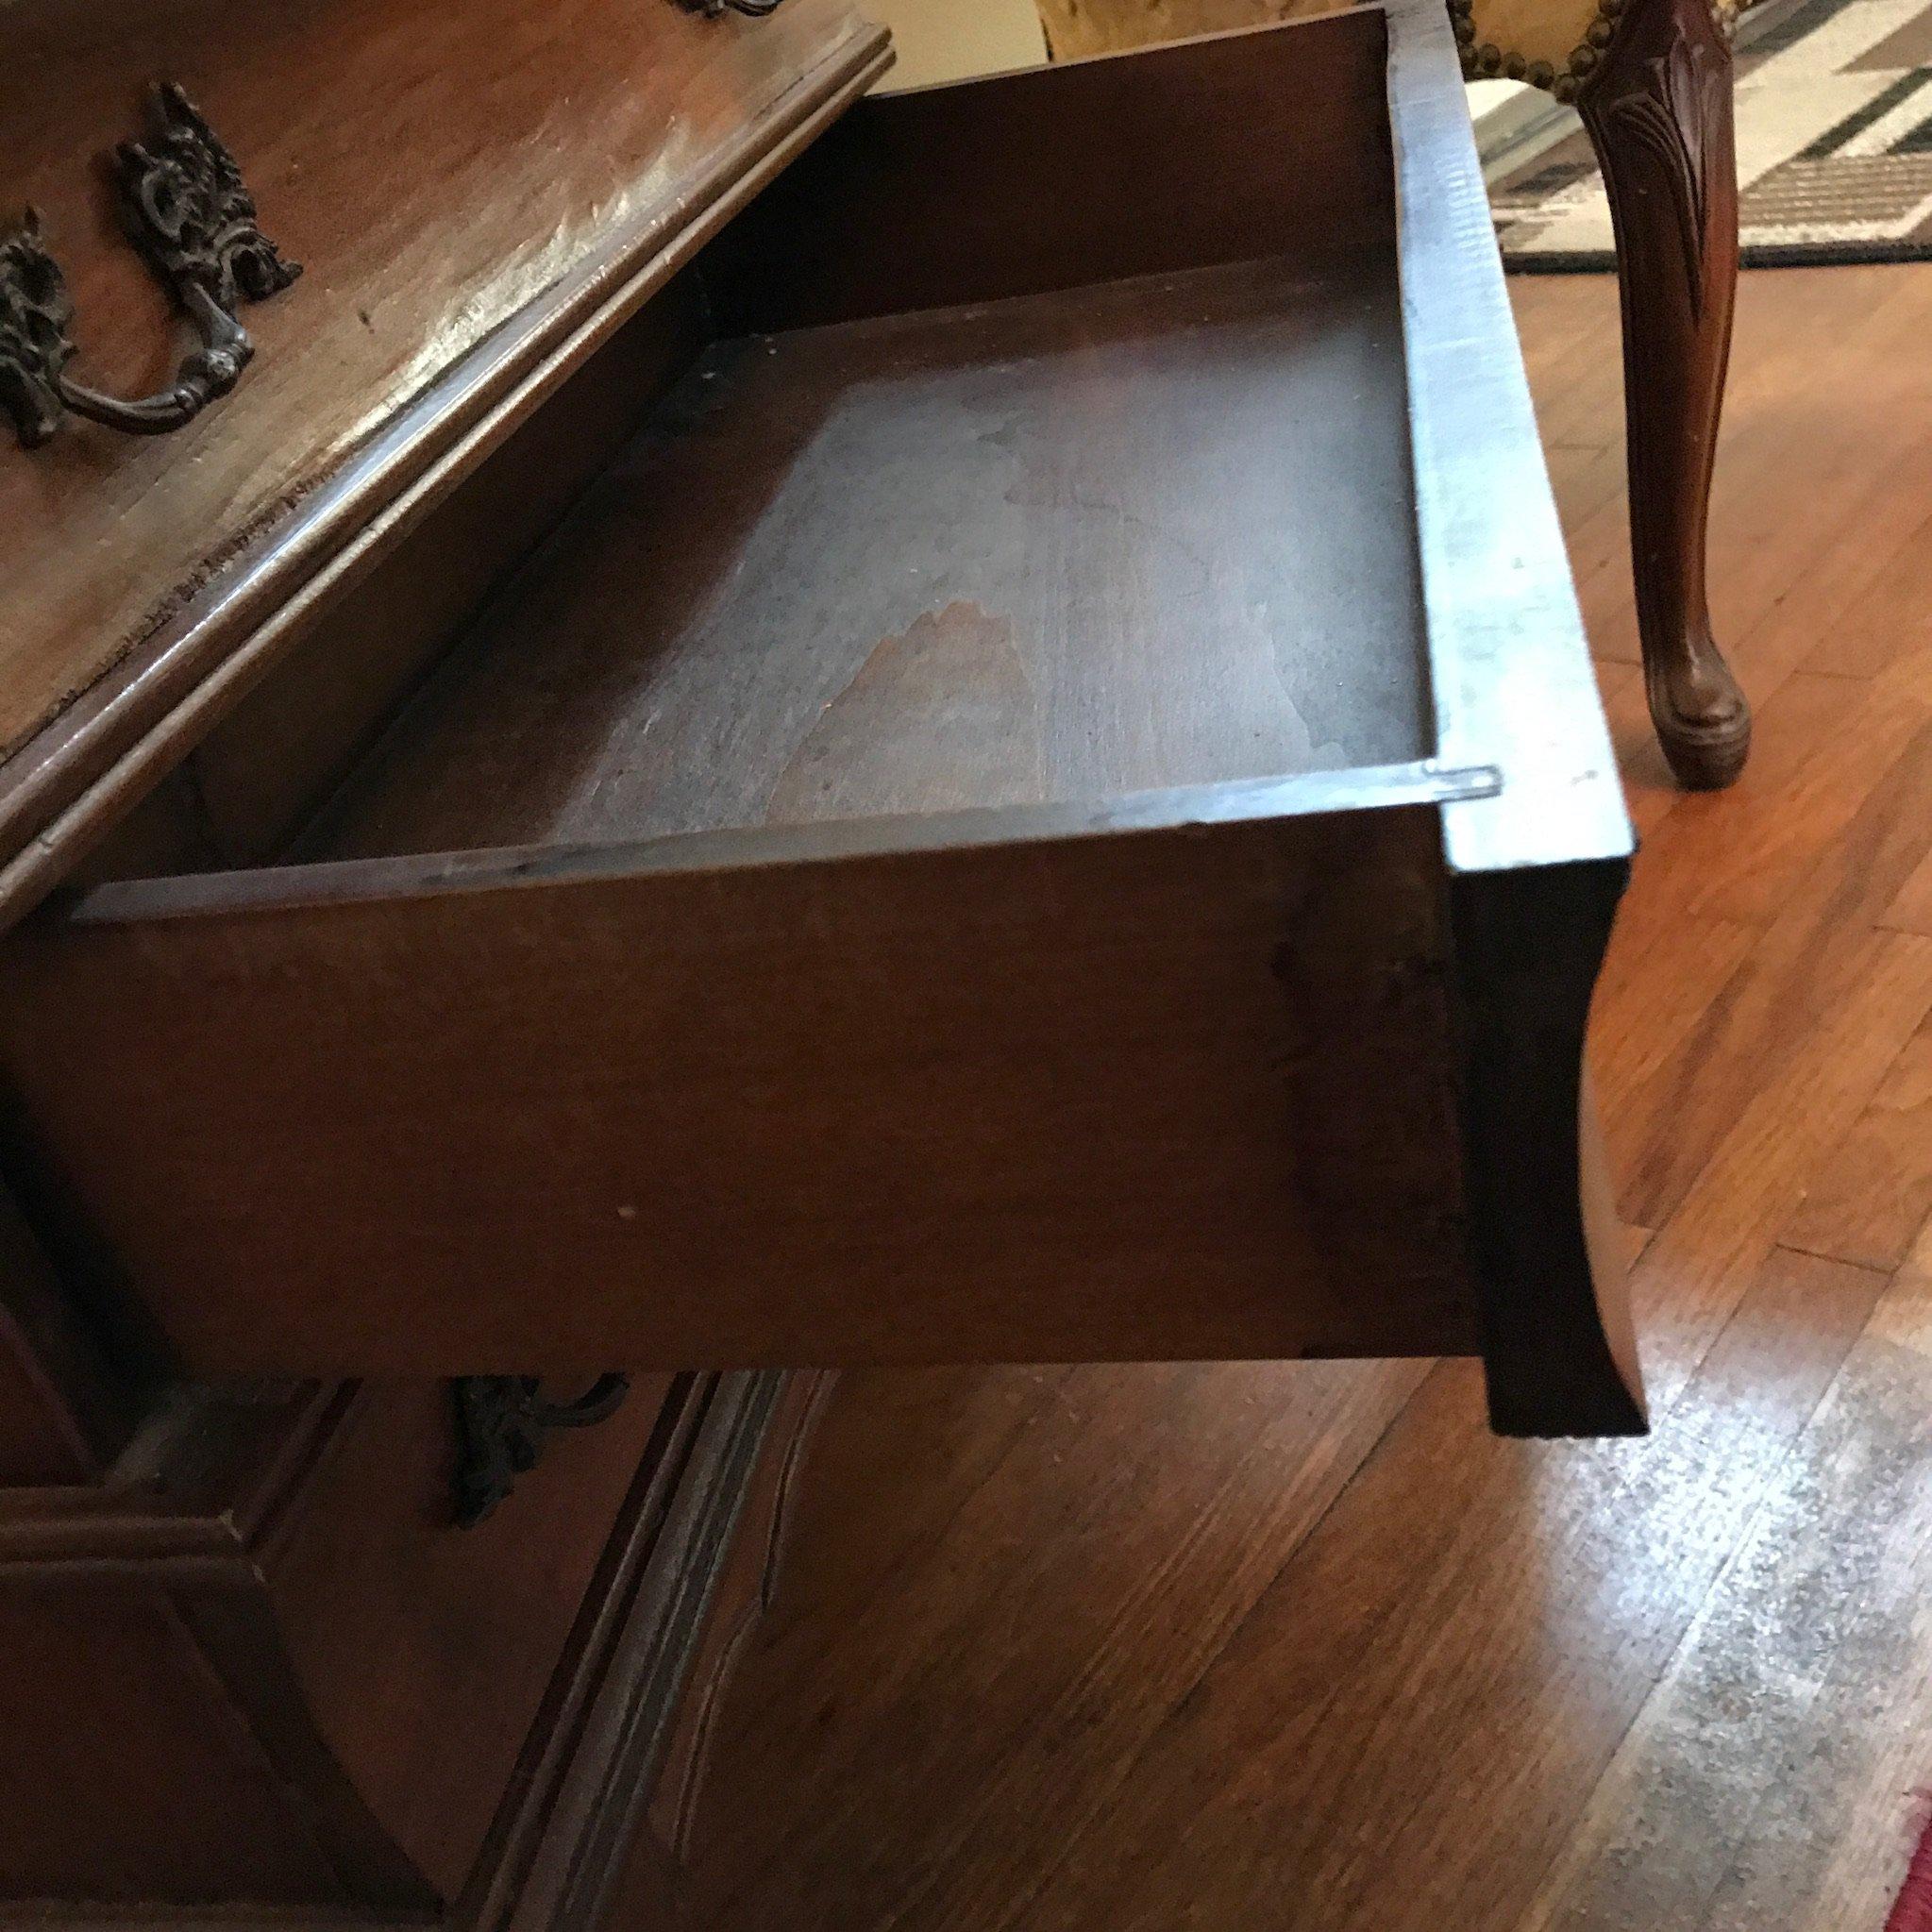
<point x="1834" y="149"/>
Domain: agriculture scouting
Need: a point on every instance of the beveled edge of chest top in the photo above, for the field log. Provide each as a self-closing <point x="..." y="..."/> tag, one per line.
<point x="140" y="615"/>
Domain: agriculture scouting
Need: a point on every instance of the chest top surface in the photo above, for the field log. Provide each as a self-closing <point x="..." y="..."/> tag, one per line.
<point x="476" y="194"/>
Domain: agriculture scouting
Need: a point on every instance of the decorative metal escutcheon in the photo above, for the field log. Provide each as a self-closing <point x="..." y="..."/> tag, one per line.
<point x="500" y="1424"/>
<point x="187" y="210"/>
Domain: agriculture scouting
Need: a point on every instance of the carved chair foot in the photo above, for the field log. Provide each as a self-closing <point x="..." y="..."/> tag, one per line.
<point x="1703" y="718"/>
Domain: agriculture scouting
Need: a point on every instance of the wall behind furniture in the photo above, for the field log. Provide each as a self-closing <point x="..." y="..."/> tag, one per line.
<point x="945" y="40"/>
<point x="950" y="39"/>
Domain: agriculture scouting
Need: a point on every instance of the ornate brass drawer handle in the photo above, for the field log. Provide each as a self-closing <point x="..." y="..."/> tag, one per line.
<point x="189" y="212"/>
<point x="501" y="1421"/>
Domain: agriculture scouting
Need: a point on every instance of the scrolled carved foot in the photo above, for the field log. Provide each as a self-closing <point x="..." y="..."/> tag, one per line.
<point x="1703" y="718"/>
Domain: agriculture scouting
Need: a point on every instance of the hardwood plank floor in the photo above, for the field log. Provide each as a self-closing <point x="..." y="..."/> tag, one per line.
<point x="1303" y="1647"/>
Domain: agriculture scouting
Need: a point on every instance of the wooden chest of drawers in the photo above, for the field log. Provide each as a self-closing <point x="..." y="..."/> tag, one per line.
<point x="253" y="1666"/>
<point x="753" y="741"/>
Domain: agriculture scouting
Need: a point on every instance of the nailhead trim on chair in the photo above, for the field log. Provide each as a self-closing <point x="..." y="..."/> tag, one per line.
<point x="1484" y="61"/>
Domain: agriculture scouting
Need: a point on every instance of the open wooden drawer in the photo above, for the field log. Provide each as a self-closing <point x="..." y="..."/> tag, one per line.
<point x="1051" y="804"/>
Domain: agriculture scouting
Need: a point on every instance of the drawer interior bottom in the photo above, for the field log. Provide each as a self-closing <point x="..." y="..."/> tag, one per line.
<point x="1050" y="549"/>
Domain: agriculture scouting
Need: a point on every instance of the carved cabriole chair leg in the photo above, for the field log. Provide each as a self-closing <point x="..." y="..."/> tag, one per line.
<point x="1657" y="106"/>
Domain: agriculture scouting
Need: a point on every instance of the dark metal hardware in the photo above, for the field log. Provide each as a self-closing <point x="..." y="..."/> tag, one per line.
<point x="751" y="9"/>
<point x="191" y="216"/>
<point x="500" y="1424"/>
